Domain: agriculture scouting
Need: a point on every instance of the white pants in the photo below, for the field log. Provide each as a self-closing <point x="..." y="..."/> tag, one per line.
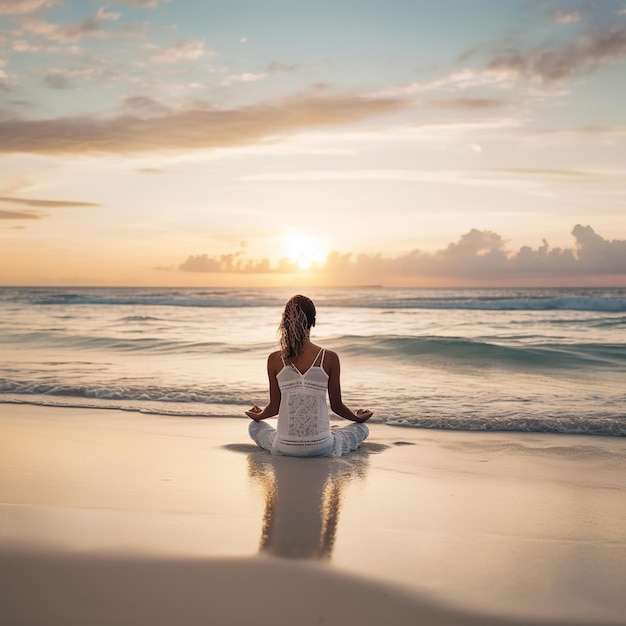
<point x="344" y="440"/>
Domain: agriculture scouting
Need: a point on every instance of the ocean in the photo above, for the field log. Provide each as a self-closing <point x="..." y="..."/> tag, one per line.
<point x="527" y="360"/>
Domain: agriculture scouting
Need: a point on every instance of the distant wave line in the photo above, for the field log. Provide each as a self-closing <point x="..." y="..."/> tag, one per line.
<point x="600" y="300"/>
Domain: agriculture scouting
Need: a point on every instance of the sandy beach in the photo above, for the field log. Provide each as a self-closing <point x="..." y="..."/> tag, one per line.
<point x="111" y="517"/>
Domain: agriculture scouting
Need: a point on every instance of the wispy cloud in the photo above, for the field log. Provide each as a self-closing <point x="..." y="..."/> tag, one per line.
<point x="547" y="64"/>
<point x="183" y="50"/>
<point x="26" y="45"/>
<point x="3" y="77"/>
<point x="65" y="33"/>
<point x="103" y="14"/>
<point x="603" y="177"/>
<point x="246" y="77"/>
<point x="64" y="79"/>
<point x="103" y="25"/>
<point x="596" y="129"/>
<point x="503" y="178"/>
<point x="20" y="215"/>
<point x="276" y="67"/>
<point x="33" y="213"/>
<point x="150" y="170"/>
<point x="141" y="4"/>
<point x="21" y="7"/>
<point x="202" y="126"/>
<point x="456" y="81"/>
<point x="566" y="17"/>
<point x="46" y="203"/>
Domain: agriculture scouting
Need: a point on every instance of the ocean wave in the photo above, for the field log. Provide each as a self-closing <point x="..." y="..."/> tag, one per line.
<point x="178" y="403"/>
<point x="609" y="305"/>
<point x="139" y="318"/>
<point x="112" y="391"/>
<point x="56" y="338"/>
<point x="603" y="426"/>
<point x="506" y="352"/>
<point x="484" y="353"/>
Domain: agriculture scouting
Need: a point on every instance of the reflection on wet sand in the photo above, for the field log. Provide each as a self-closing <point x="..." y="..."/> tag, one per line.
<point x="303" y="499"/>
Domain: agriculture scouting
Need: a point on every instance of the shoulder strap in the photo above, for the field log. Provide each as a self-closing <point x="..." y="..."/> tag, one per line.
<point x="320" y="353"/>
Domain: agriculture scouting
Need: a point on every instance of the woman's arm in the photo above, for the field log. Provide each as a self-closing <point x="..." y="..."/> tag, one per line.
<point x="334" y="391"/>
<point x="257" y="413"/>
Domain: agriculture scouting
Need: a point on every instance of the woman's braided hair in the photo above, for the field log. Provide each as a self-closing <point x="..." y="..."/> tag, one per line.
<point x="295" y="327"/>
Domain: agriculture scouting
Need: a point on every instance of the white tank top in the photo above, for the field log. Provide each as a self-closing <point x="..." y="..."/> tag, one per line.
<point x="303" y="418"/>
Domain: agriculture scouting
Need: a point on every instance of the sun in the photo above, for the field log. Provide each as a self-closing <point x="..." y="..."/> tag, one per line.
<point x="304" y="249"/>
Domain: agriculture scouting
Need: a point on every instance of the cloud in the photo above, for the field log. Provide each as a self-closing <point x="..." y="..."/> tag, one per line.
<point x="46" y="203"/>
<point x="19" y="215"/>
<point x="545" y="65"/>
<point x="565" y="17"/>
<point x="201" y="263"/>
<point x="481" y="177"/>
<point x="479" y="256"/>
<point x="150" y="170"/>
<point x="604" y="177"/>
<point x="21" y="7"/>
<point x="16" y="214"/>
<point x="103" y="14"/>
<point x="468" y="104"/>
<point x="598" y="255"/>
<point x="483" y="256"/>
<point x="183" y="50"/>
<point x="458" y="80"/>
<point x="236" y="263"/>
<point x="402" y="175"/>
<point x="199" y="127"/>
<point x="63" y="79"/>
<point x="141" y="4"/>
<point x="57" y="80"/>
<point x="144" y="105"/>
<point x="23" y="45"/>
<point x="4" y="86"/>
<point x="276" y="67"/>
<point x="88" y="28"/>
<point x="65" y="33"/>
<point x="246" y="77"/>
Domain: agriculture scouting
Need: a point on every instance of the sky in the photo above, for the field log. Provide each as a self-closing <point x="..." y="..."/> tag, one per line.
<point x="292" y="143"/>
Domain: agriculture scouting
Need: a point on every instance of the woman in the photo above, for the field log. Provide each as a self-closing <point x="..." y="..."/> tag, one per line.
<point x="300" y="375"/>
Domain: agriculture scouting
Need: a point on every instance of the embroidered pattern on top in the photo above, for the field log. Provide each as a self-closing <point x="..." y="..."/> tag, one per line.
<point x="303" y="413"/>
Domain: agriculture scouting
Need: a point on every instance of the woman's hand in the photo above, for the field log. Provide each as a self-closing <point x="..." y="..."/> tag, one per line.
<point x="362" y="415"/>
<point x="255" y="413"/>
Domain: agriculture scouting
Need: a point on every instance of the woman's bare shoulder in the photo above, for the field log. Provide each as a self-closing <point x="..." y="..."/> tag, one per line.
<point x="331" y="356"/>
<point x="274" y="360"/>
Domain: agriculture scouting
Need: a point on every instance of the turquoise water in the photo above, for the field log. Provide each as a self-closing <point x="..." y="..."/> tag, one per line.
<point x="538" y="360"/>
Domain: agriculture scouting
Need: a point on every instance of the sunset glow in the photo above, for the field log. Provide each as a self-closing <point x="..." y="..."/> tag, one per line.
<point x="180" y="143"/>
<point x="304" y="250"/>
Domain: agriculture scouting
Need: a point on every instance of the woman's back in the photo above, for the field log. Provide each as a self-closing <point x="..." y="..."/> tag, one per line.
<point x="303" y="414"/>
